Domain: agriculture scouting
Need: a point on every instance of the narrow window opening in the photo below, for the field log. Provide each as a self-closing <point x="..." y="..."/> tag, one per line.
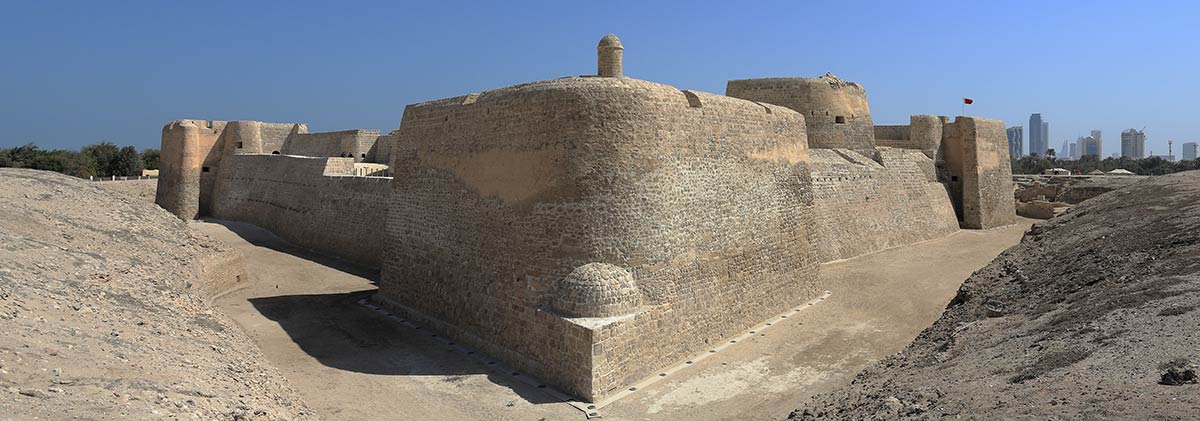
<point x="954" y="178"/>
<point x="203" y="169"/>
<point x="364" y="156"/>
<point x="239" y="145"/>
<point x="274" y="152"/>
<point x="841" y="119"/>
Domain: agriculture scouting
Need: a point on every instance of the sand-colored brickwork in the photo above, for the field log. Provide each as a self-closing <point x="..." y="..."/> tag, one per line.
<point x="313" y="202"/>
<point x="703" y="198"/>
<point x="863" y="206"/>
<point x="355" y="144"/>
<point x="835" y="111"/>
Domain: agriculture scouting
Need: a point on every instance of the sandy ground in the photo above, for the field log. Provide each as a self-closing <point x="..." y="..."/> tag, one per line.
<point x="351" y="363"/>
<point x="142" y="189"/>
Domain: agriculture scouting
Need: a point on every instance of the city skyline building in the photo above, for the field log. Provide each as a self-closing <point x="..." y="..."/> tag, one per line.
<point x="1191" y="150"/>
<point x="1016" y="141"/>
<point x="1038" y="131"/>
<point x="1133" y="144"/>
<point x="1090" y="146"/>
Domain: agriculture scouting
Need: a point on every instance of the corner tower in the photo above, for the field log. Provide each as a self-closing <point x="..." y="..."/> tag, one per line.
<point x="608" y="56"/>
<point x="835" y="111"/>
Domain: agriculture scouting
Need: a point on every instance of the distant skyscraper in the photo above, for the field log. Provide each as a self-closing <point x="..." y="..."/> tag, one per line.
<point x="1191" y="150"/>
<point x="1016" y="143"/>
<point x="1133" y="144"/>
<point x="1063" y="152"/>
<point x="1090" y="146"/>
<point x="1073" y="150"/>
<point x="1099" y="143"/>
<point x="1039" y="135"/>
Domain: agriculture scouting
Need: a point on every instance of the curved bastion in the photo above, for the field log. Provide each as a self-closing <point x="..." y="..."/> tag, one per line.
<point x="505" y="198"/>
<point x="835" y="111"/>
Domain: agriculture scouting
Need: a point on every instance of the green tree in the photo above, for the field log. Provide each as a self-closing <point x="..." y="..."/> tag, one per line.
<point x="150" y="158"/>
<point x="23" y="156"/>
<point x="105" y="156"/>
<point x="127" y="162"/>
<point x="76" y="164"/>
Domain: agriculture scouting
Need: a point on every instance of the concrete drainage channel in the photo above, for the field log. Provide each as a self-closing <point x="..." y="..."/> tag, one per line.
<point x="591" y="409"/>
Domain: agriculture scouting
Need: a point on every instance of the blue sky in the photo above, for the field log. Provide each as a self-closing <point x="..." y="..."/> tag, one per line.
<point x="73" y="73"/>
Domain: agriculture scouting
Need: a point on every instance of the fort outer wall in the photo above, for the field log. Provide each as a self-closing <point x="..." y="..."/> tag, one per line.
<point x="314" y="203"/>
<point x="864" y="206"/>
<point x="976" y="151"/>
<point x="835" y="111"/>
<point x="355" y="144"/>
<point x="191" y="156"/>
<point x="591" y="231"/>
<point x="972" y="160"/>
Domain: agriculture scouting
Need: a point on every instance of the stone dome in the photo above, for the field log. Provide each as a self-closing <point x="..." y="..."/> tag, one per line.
<point x="610" y="41"/>
<point x="597" y="290"/>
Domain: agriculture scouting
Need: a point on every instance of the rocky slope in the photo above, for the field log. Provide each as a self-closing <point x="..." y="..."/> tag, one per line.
<point x="1093" y="315"/>
<point x="103" y="313"/>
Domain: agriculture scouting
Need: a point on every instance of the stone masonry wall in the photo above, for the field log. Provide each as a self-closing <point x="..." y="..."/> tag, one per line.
<point x="835" y="111"/>
<point x="890" y="133"/>
<point x="863" y="206"/>
<point x="498" y="196"/>
<point x="976" y="154"/>
<point x="348" y="143"/>
<point x="311" y="202"/>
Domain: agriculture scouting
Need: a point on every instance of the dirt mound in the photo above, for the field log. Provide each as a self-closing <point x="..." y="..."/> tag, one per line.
<point x="142" y="189"/>
<point x="1093" y="315"/>
<point x="103" y="313"/>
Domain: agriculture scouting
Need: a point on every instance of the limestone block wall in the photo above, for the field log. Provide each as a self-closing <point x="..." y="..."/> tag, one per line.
<point x="381" y="151"/>
<point x="976" y="157"/>
<point x="348" y="143"/>
<point x="897" y="134"/>
<point x="312" y="202"/>
<point x="192" y="152"/>
<point x="498" y="197"/>
<point x="223" y="270"/>
<point x="864" y="206"/>
<point x="255" y="137"/>
<point x="835" y="111"/>
<point x="189" y="153"/>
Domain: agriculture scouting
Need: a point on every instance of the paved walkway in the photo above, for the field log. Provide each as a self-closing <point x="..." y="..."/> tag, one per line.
<point x="351" y="363"/>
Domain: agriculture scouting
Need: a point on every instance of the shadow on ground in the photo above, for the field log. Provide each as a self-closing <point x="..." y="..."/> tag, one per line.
<point x="264" y="238"/>
<point x="338" y="332"/>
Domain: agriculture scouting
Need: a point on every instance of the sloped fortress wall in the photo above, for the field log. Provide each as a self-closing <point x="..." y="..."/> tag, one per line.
<point x="864" y="206"/>
<point x="313" y="202"/>
<point x="835" y="111"/>
<point x="976" y="151"/>
<point x="593" y="230"/>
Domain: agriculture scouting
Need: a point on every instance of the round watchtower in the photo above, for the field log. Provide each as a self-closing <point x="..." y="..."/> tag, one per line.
<point x="835" y="112"/>
<point x="608" y="56"/>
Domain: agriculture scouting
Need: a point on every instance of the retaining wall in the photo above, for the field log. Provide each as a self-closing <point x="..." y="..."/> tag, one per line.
<point x="864" y="206"/>
<point x="311" y="202"/>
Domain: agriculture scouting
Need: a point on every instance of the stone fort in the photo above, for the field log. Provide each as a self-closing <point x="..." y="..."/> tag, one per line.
<point x="593" y="230"/>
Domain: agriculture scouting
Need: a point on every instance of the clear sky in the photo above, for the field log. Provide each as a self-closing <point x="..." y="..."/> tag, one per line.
<point x="73" y="73"/>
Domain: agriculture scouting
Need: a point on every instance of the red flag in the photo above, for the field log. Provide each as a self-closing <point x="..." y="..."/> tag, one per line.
<point x="968" y="101"/>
